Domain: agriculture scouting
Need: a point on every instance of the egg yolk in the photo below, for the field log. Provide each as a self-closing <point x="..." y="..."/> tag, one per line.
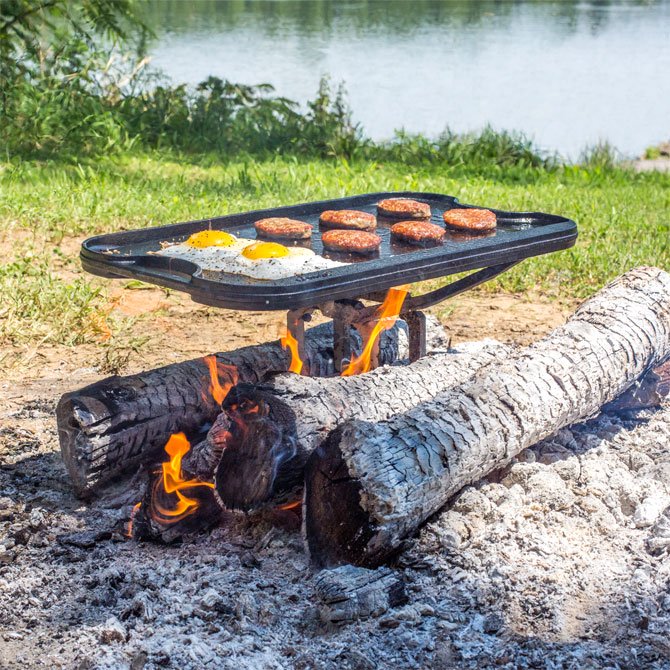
<point x="259" y="250"/>
<point x="210" y="238"/>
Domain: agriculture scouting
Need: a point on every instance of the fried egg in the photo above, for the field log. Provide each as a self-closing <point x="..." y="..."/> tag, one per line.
<point x="223" y="252"/>
<point x="207" y="246"/>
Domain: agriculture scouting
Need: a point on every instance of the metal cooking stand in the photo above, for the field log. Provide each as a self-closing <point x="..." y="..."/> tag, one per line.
<point x="352" y="313"/>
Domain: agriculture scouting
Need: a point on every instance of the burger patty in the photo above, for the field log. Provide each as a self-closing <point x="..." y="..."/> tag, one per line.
<point x="470" y="219"/>
<point x="351" y="241"/>
<point x="281" y="228"/>
<point x="403" y="208"/>
<point x="418" y="233"/>
<point x="348" y="219"/>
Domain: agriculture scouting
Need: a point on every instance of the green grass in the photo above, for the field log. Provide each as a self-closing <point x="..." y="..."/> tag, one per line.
<point x="623" y="220"/>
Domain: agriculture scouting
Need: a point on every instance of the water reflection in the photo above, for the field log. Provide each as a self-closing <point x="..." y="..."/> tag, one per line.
<point x="567" y="72"/>
<point x="394" y="17"/>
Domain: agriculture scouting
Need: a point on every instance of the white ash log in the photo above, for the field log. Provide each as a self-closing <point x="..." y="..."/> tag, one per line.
<point x="348" y="593"/>
<point x="370" y="485"/>
<point x="293" y="415"/>
<point x="651" y="390"/>
<point x="116" y="424"/>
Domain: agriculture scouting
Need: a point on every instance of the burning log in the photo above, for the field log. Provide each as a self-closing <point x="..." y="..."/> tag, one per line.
<point x="266" y="433"/>
<point x="370" y="485"/>
<point x="121" y="422"/>
<point x="168" y="509"/>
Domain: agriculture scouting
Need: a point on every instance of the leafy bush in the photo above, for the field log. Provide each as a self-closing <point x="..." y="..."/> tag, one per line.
<point x="63" y="94"/>
<point x="487" y="148"/>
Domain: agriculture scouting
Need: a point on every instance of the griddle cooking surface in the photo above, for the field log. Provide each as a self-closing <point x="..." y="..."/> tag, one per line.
<point x="518" y="235"/>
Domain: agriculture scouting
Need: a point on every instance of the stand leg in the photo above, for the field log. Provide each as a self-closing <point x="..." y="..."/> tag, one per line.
<point x="295" y="325"/>
<point x="416" y="324"/>
<point x="341" y="342"/>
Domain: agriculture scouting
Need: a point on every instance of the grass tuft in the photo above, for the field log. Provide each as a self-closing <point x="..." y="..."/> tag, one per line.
<point x="38" y="305"/>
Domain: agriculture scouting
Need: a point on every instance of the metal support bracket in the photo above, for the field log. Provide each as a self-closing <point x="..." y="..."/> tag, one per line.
<point x="295" y="325"/>
<point x="352" y="313"/>
<point x="416" y="326"/>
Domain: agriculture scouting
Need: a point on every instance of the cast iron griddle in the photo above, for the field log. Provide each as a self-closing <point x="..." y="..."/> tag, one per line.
<point x="519" y="235"/>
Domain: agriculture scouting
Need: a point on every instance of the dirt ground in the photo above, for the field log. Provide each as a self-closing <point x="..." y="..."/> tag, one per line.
<point x="171" y="327"/>
<point x="557" y="562"/>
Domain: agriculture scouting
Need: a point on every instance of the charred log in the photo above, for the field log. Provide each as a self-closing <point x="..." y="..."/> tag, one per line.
<point x="148" y="523"/>
<point x="652" y="390"/>
<point x="114" y="425"/>
<point x="349" y="593"/>
<point x="269" y="431"/>
<point x="370" y="485"/>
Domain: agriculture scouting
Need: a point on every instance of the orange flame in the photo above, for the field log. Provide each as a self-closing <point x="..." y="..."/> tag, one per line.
<point x="216" y="389"/>
<point x="386" y="316"/>
<point x="173" y="482"/>
<point x="133" y="514"/>
<point x="289" y="343"/>
<point x="290" y="505"/>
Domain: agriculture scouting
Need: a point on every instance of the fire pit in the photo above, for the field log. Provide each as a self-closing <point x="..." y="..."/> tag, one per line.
<point x="231" y="443"/>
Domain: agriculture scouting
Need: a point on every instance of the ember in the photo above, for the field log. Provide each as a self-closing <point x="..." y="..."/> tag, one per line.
<point x="131" y="521"/>
<point x="290" y="505"/>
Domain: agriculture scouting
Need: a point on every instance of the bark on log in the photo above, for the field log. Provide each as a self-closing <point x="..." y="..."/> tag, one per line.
<point x="651" y="390"/>
<point x="369" y="486"/>
<point x="266" y="448"/>
<point x="114" y="425"/>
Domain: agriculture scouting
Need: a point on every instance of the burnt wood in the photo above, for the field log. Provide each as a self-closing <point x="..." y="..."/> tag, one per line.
<point x="116" y="424"/>
<point x="371" y="484"/>
<point x="348" y="593"/>
<point x="650" y="391"/>
<point x="275" y="427"/>
<point x="151" y="526"/>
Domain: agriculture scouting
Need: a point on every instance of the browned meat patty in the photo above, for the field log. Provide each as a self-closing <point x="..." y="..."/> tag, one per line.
<point x="470" y="219"/>
<point x="281" y="228"/>
<point x="348" y="219"/>
<point x="403" y="208"/>
<point x="351" y="241"/>
<point x="418" y="233"/>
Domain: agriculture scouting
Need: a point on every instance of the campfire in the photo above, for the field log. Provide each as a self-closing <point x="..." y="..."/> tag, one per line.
<point x="176" y="497"/>
<point x="369" y="423"/>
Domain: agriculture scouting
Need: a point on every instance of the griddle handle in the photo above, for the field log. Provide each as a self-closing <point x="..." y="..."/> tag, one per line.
<point x="163" y="268"/>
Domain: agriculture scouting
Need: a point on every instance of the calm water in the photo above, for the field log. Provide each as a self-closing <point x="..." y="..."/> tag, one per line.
<point x="567" y="73"/>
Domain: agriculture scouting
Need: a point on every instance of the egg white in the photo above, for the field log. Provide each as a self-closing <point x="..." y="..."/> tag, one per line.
<point x="229" y="259"/>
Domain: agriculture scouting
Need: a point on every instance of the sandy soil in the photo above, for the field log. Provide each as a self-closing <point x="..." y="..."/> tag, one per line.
<point x="560" y="561"/>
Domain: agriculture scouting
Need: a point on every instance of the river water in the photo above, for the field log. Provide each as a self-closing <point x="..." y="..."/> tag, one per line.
<point x="566" y="73"/>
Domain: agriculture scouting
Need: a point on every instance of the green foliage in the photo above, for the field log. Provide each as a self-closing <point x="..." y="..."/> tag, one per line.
<point x="652" y="153"/>
<point x="56" y="82"/>
<point x="477" y="150"/>
<point x="601" y="155"/>
<point x="50" y="36"/>
<point x="66" y="95"/>
<point x="232" y="119"/>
